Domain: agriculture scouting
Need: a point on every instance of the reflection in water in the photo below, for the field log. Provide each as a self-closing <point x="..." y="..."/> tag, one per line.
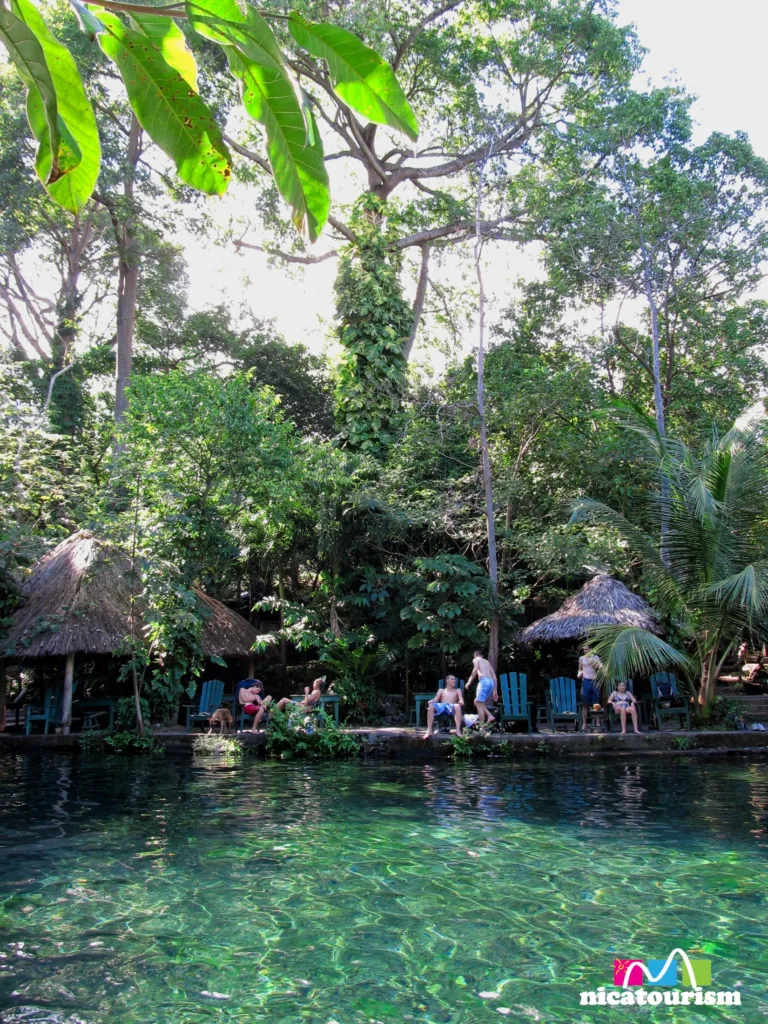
<point x="166" y="891"/>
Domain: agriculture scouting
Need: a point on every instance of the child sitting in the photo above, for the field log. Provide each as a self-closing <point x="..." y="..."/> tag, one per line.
<point x="623" y="703"/>
<point x="447" y="701"/>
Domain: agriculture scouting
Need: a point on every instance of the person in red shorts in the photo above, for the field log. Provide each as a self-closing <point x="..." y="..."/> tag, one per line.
<point x="254" y="702"/>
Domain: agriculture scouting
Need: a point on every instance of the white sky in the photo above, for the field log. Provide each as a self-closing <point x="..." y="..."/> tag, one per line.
<point x="716" y="50"/>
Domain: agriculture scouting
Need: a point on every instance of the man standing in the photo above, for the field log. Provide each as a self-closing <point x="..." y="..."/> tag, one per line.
<point x="487" y="686"/>
<point x="589" y="666"/>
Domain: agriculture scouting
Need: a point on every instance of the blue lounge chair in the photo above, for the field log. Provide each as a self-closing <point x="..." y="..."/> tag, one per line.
<point x="51" y="713"/>
<point x="664" y="688"/>
<point x="210" y="700"/>
<point x="562" y="703"/>
<point x="514" y="700"/>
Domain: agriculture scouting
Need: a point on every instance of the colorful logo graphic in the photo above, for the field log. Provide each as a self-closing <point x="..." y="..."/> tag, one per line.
<point x="676" y="981"/>
<point x="636" y="972"/>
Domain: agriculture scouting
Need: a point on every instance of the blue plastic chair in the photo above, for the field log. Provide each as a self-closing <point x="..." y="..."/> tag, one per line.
<point x="562" y="702"/>
<point x="210" y="700"/>
<point x="664" y="688"/>
<point x="514" y="700"/>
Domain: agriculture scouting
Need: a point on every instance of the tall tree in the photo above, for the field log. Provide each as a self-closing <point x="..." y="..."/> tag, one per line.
<point x="374" y="325"/>
<point x="473" y="73"/>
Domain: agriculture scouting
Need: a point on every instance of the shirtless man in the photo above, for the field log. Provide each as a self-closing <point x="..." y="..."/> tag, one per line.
<point x="253" y="701"/>
<point x="447" y="701"/>
<point x="487" y="686"/>
<point x="589" y="666"/>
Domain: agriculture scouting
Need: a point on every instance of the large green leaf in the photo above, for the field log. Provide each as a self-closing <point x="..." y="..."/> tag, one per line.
<point x="271" y="98"/>
<point x="360" y="76"/>
<point x="79" y="152"/>
<point x="167" y="107"/>
<point x="170" y="41"/>
<point x="298" y="168"/>
<point x="27" y="54"/>
<point x="200" y="11"/>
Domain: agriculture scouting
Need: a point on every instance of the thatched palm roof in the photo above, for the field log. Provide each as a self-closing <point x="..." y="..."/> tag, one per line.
<point x="602" y="601"/>
<point x="78" y="600"/>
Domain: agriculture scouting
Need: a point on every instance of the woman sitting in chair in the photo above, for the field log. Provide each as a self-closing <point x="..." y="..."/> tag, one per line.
<point x="624" y="703"/>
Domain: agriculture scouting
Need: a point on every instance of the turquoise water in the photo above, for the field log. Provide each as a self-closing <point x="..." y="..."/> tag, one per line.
<point x="140" y="890"/>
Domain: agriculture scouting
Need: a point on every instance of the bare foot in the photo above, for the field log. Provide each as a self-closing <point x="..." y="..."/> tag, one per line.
<point x="427" y="735"/>
<point x="623" y="732"/>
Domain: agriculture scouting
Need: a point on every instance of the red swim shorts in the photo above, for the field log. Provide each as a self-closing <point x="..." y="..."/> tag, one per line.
<point x="251" y="709"/>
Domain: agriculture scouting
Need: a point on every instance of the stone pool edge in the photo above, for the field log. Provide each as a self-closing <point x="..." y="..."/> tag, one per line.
<point x="407" y="744"/>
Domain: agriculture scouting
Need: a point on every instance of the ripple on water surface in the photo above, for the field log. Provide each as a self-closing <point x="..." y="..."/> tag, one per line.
<point x="164" y="891"/>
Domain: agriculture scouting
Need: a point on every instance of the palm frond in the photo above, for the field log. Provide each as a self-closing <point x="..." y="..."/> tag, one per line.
<point x="627" y="651"/>
<point x="747" y="589"/>
<point x="660" y="581"/>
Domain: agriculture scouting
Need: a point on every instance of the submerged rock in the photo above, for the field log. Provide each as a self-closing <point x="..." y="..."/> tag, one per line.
<point x="40" y="1015"/>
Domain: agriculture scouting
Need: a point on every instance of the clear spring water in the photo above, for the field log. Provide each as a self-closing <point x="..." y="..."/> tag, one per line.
<point x="376" y="892"/>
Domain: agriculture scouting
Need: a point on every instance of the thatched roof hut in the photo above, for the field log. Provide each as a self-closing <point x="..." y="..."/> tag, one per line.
<point x="602" y="601"/>
<point x="78" y="601"/>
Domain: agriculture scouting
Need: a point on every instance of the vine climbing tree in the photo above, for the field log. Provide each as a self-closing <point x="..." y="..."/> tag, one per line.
<point x="374" y="326"/>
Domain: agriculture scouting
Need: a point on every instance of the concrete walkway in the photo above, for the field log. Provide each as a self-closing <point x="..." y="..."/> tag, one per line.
<point x="407" y="743"/>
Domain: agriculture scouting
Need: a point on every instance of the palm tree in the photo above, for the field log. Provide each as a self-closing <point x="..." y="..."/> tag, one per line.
<point x="711" y="580"/>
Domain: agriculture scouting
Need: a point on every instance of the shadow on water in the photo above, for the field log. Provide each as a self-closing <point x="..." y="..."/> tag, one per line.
<point x="164" y="890"/>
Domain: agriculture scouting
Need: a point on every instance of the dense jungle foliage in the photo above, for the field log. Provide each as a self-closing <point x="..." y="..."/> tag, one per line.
<point x="340" y="501"/>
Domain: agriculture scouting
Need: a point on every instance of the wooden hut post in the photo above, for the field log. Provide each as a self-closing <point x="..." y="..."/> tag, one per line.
<point x="66" y="703"/>
<point x="3" y="691"/>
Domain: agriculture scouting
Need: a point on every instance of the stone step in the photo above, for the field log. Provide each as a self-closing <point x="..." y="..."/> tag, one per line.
<point x="755" y="704"/>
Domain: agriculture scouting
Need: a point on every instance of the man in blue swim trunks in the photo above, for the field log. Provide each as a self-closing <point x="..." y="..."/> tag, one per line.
<point x="447" y="701"/>
<point x="487" y="687"/>
<point x="589" y="666"/>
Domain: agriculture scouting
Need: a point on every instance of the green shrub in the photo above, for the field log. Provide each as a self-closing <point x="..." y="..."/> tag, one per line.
<point x="125" y="714"/>
<point x="722" y="713"/>
<point x="467" y="746"/>
<point x="293" y="734"/>
<point x="129" y="742"/>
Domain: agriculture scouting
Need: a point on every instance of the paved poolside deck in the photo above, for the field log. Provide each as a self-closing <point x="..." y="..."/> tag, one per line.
<point x="406" y="743"/>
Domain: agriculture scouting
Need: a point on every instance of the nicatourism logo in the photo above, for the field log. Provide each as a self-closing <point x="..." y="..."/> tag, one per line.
<point x="676" y="981"/>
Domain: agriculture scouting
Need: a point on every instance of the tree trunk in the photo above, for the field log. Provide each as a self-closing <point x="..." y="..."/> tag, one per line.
<point x="658" y="395"/>
<point x="66" y="703"/>
<point x="137" y="701"/>
<point x="333" y="616"/>
<point x="3" y="693"/>
<point x="418" y="304"/>
<point x="128" y="280"/>
<point x="493" y="568"/>
<point x="283" y="642"/>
